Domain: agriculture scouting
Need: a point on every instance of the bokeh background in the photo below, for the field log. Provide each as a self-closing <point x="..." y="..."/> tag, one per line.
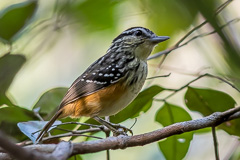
<point x="66" y="36"/>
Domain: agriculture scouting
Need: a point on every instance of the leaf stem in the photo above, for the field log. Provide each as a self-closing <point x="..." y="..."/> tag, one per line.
<point x="215" y="143"/>
<point x="174" y="91"/>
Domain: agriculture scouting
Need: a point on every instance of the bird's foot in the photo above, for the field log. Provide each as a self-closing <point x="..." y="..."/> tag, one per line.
<point x="117" y="129"/>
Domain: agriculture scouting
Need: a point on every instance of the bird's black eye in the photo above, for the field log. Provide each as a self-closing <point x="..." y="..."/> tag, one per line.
<point x="138" y="33"/>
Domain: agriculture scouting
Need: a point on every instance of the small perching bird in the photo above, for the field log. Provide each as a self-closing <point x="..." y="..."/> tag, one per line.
<point x="111" y="82"/>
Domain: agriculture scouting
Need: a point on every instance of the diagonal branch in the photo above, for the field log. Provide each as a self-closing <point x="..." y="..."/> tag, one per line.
<point x="121" y="142"/>
<point x="174" y="91"/>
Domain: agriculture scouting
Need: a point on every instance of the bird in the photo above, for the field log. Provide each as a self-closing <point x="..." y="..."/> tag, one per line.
<point x="111" y="82"/>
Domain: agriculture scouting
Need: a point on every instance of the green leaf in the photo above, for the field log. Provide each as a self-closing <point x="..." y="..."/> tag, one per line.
<point x="174" y="147"/>
<point x="14" y="18"/>
<point x="10" y="116"/>
<point x="5" y="100"/>
<point x="75" y="157"/>
<point x="50" y="100"/>
<point x="9" y="66"/>
<point x="207" y="101"/>
<point x="48" y="104"/>
<point x="141" y="103"/>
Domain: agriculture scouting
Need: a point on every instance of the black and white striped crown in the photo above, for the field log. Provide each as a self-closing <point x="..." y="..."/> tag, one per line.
<point x="131" y="31"/>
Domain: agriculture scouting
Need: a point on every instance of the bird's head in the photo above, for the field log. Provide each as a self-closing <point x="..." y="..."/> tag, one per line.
<point x="138" y="40"/>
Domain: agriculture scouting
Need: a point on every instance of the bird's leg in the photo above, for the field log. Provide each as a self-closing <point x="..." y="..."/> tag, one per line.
<point x="117" y="129"/>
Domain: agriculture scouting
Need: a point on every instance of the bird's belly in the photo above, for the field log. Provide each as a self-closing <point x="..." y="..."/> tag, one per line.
<point x="112" y="107"/>
<point x="110" y="100"/>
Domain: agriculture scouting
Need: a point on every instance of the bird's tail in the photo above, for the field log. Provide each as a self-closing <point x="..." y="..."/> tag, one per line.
<point x="47" y="126"/>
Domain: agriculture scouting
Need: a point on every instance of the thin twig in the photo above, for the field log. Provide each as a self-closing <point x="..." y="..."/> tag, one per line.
<point x="36" y="113"/>
<point x="194" y="80"/>
<point x="75" y="133"/>
<point x="135" y="121"/>
<point x="183" y="71"/>
<point x="177" y="44"/>
<point x="212" y="32"/>
<point x="167" y="75"/>
<point x="223" y="80"/>
<point x="122" y="142"/>
<point x="79" y="123"/>
<point x="107" y="133"/>
<point x="215" y="143"/>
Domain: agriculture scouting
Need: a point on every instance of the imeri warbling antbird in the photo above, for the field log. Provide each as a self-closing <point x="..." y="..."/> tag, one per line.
<point x="111" y="82"/>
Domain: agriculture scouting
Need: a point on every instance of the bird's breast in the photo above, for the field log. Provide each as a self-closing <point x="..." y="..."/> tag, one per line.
<point x="127" y="91"/>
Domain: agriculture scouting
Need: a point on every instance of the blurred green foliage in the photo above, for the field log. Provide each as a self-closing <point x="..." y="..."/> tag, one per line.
<point x="90" y="16"/>
<point x="208" y="101"/>
<point x="9" y="66"/>
<point x="14" y="18"/>
<point x="179" y="144"/>
<point x="95" y="15"/>
<point x="49" y="101"/>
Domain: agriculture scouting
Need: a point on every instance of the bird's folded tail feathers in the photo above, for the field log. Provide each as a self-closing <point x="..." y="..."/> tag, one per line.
<point x="47" y="126"/>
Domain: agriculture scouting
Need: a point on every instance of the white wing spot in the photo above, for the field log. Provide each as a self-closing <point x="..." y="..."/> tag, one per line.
<point x="97" y="82"/>
<point x="93" y="73"/>
<point x="111" y="75"/>
<point x="89" y="81"/>
<point x="113" y="69"/>
<point x="82" y="79"/>
<point x="115" y="77"/>
<point x="106" y="75"/>
<point x="100" y="74"/>
<point x="118" y="74"/>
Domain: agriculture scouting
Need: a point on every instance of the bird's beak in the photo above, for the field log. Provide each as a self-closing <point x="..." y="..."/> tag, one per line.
<point x="158" y="39"/>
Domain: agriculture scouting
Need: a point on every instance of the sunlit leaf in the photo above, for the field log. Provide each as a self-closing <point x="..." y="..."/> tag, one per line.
<point x="32" y="128"/>
<point x="140" y="104"/>
<point x="208" y="101"/>
<point x="14" y="18"/>
<point x="174" y="147"/>
<point x="9" y="66"/>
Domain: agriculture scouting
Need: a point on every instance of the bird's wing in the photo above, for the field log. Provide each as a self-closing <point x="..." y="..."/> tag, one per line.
<point x="99" y="75"/>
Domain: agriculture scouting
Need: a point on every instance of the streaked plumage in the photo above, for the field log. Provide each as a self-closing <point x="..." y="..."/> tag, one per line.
<point x="113" y="81"/>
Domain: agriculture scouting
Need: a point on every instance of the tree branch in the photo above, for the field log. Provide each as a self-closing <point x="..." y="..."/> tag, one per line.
<point x="174" y="91"/>
<point x="119" y="142"/>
